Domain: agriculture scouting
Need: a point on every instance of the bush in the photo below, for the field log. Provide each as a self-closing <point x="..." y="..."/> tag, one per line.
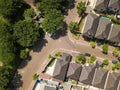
<point x="92" y="59"/>
<point x="113" y="68"/>
<point x="105" y="48"/>
<point x="80" y="59"/>
<point x="50" y="56"/>
<point x="105" y="62"/>
<point x="35" y="76"/>
<point x="58" y="54"/>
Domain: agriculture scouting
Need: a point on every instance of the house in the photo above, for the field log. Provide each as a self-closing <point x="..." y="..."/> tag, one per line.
<point x="90" y="26"/>
<point x="66" y="57"/>
<point x="74" y="71"/>
<point x="112" y="81"/>
<point x="87" y="74"/>
<point x="100" y="78"/>
<point x="118" y="86"/>
<point x="49" y="88"/>
<point x="60" y="70"/>
<point x="101" y="5"/>
<point x="103" y="28"/>
<point x="114" y="35"/>
<point x="114" y="5"/>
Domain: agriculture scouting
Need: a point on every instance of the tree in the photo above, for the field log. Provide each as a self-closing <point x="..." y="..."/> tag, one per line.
<point x="8" y="8"/>
<point x="29" y="13"/>
<point x="26" y="33"/>
<point x="46" y="5"/>
<point x="6" y="42"/>
<point x="73" y="26"/>
<point x="105" y="48"/>
<point x="53" y="21"/>
<point x="81" y="8"/>
<point x="80" y="58"/>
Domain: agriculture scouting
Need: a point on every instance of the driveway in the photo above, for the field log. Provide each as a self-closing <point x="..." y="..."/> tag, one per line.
<point x="41" y="50"/>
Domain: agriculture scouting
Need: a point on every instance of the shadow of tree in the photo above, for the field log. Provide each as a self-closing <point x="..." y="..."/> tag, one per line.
<point x="39" y="45"/>
<point x="60" y="33"/>
<point x="69" y="6"/>
<point x="17" y="82"/>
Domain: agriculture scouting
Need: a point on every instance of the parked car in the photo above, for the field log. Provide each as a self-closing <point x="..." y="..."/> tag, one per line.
<point x="119" y="59"/>
<point x="114" y="61"/>
<point x="87" y="54"/>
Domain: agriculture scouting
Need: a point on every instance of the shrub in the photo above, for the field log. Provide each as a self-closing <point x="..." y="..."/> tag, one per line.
<point x="73" y="26"/>
<point x="80" y="58"/>
<point x="35" y="76"/>
<point x="93" y="44"/>
<point x="117" y="66"/>
<point x="50" y="56"/>
<point x="92" y="59"/>
<point x="116" y="51"/>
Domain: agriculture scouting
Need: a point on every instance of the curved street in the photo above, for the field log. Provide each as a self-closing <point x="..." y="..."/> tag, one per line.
<point x="41" y="50"/>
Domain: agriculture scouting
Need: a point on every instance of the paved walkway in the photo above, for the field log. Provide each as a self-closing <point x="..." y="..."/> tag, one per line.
<point x="41" y="50"/>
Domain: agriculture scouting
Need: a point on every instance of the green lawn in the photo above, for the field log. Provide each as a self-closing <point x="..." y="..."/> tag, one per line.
<point x="81" y="24"/>
<point x="51" y="62"/>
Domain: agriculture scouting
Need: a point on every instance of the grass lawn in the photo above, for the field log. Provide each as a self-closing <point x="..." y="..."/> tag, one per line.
<point x="81" y="24"/>
<point x="51" y="62"/>
<point x="111" y="16"/>
<point x="76" y="36"/>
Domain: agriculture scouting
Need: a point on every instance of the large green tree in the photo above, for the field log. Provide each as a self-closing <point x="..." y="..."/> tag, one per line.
<point x="6" y="42"/>
<point x="8" y="8"/>
<point x="46" y="5"/>
<point x="53" y="21"/>
<point x="26" y="33"/>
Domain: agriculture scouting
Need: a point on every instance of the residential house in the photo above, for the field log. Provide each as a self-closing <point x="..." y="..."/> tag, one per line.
<point x="74" y="71"/>
<point x="87" y="74"/>
<point x="66" y="57"/>
<point x="103" y="28"/>
<point x="90" y="26"/>
<point x="114" y="35"/>
<point x="100" y="78"/>
<point x="60" y="70"/>
<point x="101" y="5"/>
<point x="114" y="5"/>
<point x="49" y="88"/>
<point x="112" y="81"/>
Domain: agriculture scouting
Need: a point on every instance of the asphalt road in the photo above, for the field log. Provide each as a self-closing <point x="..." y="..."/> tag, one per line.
<point x="41" y="50"/>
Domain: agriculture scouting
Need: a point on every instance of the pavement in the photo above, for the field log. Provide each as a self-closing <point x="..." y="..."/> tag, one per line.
<point x="39" y="55"/>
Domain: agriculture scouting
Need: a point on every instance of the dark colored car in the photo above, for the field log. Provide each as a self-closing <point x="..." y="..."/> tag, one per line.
<point x="114" y="61"/>
<point x="119" y="59"/>
<point x="87" y="54"/>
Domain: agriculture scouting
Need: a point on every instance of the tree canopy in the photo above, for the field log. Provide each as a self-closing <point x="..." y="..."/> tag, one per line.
<point x="53" y="21"/>
<point x="8" y="8"/>
<point x="26" y="33"/>
<point x="81" y="8"/>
